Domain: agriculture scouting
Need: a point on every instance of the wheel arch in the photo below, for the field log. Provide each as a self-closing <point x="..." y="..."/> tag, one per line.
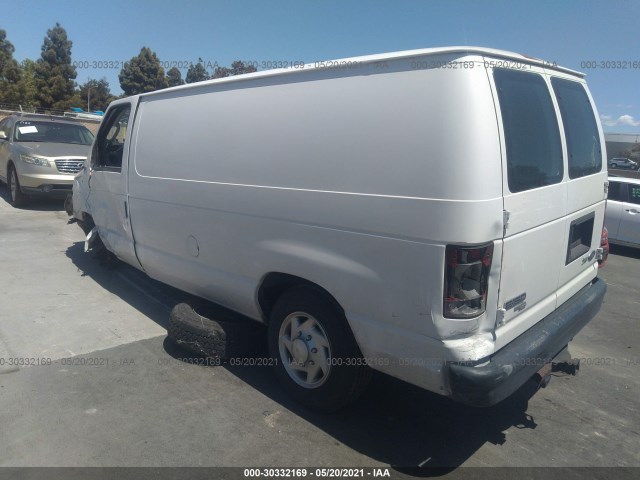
<point x="274" y="284"/>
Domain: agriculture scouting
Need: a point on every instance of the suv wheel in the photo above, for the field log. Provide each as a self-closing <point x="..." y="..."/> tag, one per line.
<point x="18" y="198"/>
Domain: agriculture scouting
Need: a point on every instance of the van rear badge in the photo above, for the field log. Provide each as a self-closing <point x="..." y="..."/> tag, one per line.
<point x="515" y="301"/>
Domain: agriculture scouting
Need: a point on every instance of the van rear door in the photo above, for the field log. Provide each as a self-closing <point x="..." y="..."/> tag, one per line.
<point x="535" y="199"/>
<point x="586" y="181"/>
<point x="543" y="210"/>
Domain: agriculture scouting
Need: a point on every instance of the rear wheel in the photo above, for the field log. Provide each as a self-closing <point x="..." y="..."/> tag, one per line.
<point x="316" y="357"/>
<point x="18" y="198"/>
<point x="614" y="165"/>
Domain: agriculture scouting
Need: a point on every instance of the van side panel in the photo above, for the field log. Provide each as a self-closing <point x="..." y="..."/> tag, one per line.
<point x="355" y="181"/>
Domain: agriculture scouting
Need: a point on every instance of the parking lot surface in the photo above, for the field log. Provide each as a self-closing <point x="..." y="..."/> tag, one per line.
<point x="102" y="387"/>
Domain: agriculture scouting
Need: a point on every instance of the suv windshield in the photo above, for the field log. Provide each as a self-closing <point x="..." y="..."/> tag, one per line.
<point x="51" y="132"/>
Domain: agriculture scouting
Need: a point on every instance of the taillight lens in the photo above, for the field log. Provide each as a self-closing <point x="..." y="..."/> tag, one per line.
<point x="466" y="277"/>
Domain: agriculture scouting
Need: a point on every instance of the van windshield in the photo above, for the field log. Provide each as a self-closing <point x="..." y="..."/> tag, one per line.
<point x="52" y="132"/>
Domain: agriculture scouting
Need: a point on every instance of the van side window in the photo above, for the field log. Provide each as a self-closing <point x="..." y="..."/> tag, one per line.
<point x="532" y="135"/>
<point x="109" y="146"/>
<point x="616" y="192"/>
<point x="580" y="128"/>
<point x="634" y="194"/>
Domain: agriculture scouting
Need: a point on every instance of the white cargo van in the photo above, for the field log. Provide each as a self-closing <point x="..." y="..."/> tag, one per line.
<point x="432" y="214"/>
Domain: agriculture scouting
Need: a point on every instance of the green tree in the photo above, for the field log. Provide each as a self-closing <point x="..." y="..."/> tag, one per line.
<point x="28" y="82"/>
<point x="143" y="73"/>
<point x="95" y="95"/>
<point x="55" y="75"/>
<point x="237" y="68"/>
<point x="174" y="77"/>
<point x="11" y="91"/>
<point x="197" y="72"/>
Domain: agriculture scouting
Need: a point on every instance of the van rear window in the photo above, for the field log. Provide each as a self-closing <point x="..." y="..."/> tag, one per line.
<point x="532" y="136"/>
<point x="580" y="128"/>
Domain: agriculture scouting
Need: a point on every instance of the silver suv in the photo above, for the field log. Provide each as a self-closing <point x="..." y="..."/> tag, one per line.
<point x="623" y="163"/>
<point x="39" y="155"/>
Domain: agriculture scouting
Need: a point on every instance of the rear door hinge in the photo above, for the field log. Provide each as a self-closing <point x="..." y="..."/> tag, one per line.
<point x="500" y="314"/>
<point x="506" y="215"/>
<point x="606" y="189"/>
<point x="599" y="253"/>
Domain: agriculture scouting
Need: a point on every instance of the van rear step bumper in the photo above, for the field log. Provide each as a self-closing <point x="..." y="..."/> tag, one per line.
<point x="512" y="366"/>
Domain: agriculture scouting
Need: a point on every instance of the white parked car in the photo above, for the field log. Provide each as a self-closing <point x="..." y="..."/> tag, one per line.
<point x="422" y="213"/>
<point x="622" y="217"/>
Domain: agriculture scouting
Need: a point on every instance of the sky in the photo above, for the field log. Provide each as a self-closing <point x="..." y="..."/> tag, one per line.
<point x="588" y="36"/>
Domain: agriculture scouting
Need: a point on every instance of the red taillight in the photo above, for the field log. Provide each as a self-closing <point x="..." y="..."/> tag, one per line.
<point x="466" y="278"/>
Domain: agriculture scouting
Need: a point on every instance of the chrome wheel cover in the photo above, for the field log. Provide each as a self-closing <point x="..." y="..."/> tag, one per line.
<point x="304" y="350"/>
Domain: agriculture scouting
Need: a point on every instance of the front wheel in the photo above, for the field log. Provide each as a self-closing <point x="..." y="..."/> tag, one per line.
<point x="316" y="357"/>
<point x="18" y="198"/>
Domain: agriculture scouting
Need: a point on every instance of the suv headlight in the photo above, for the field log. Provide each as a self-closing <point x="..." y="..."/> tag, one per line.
<point x="42" y="162"/>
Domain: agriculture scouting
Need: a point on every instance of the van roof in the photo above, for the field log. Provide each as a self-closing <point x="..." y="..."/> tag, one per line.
<point x="490" y="52"/>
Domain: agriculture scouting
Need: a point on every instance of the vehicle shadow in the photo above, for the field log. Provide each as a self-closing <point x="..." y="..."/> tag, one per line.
<point x="43" y="204"/>
<point x="416" y="432"/>
<point x="149" y="297"/>
<point x="624" y="251"/>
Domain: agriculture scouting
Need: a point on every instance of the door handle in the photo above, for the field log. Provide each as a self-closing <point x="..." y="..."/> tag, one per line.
<point x="632" y="211"/>
<point x="126" y="211"/>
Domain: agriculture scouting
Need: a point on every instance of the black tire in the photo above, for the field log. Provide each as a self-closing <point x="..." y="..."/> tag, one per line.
<point x="614" y="165"/>
<point x="86" y="224"/>
<point x="212" y="331"/>
<point x="68" y="204"/>
<point x="347" y="376"/>
<point x="18" y="199"/>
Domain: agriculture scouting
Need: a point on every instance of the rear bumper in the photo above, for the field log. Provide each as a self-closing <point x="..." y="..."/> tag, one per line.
<point x="512" y="366"/>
